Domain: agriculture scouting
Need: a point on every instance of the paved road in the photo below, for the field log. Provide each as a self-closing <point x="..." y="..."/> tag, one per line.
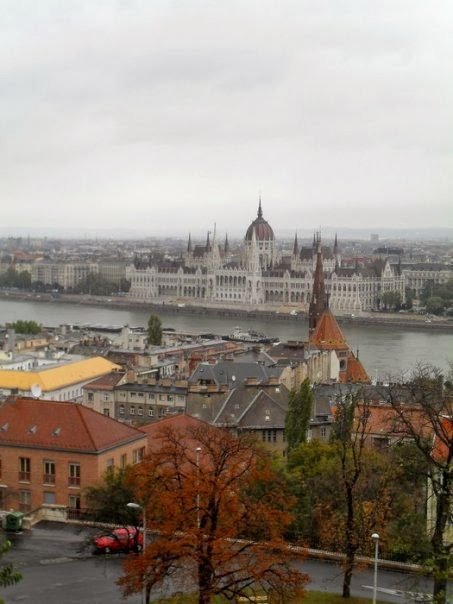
<point x="57" y="567"/>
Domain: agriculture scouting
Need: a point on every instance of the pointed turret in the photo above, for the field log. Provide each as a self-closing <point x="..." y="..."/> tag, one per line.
<point x="318" y="302"/>
<point x="260" y="210"/>
<point x="226" y="248"/>
<point x="335" y="245"/>
<point x="296" y="247"/>
<point x="208" y="242"/>
<point x="189" y="244"/>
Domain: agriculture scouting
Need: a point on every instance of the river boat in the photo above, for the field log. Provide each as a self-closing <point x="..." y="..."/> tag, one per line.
<point x="249" y="336"/>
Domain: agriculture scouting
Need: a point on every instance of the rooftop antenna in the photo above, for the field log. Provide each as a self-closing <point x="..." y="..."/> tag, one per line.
<point x="36" y="391"/>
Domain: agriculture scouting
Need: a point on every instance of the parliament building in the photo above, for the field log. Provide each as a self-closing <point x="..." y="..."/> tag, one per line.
<point x="260" y="275"/>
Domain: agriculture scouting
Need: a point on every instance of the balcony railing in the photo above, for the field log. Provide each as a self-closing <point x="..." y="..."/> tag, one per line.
<point x="24" y="476"/>
<point x="48" y="478"/>
<point x="74" y="481"/>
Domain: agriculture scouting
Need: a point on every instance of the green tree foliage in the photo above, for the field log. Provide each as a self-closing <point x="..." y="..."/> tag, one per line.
<point x="297" y="422"/>
<point x="14" y="278"/>
<point x="108" y="501"/>
<point x="8" y="576"/>
<point x="435" y="305"/>
<point x="444" y="292"/>
<point x="26" y="327"/>
<point x="95" y="285"/>
<point x="154" y="330"/>
<point x="391" y="300"/>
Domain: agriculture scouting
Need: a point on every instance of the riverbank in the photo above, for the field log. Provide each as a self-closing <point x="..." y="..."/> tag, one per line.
<point x="276" y="313"/>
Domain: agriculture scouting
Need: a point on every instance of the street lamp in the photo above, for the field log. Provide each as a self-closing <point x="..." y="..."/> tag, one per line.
<point x="375" y="538"/>
<point x="197" y="461"/>
<point x="137" y="506"/>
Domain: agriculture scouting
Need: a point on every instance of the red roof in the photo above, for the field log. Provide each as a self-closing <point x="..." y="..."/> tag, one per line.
<point x="327" y="334"/>
<point x="443" y="442"/>
<point x="355" y="372"/>
<point x="28" y="422"/>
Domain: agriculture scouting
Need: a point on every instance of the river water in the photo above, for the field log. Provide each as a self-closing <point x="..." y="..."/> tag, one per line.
<point x="384" y="351"/>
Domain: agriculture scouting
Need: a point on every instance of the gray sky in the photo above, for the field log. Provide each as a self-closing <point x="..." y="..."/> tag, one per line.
<point x="173" y="115"/>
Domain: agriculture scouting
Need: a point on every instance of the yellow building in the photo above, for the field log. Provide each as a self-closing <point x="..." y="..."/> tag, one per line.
<point x="59" y="383"/>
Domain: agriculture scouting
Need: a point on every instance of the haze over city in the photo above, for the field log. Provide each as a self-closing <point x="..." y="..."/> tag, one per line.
<point x="165" y="117"/>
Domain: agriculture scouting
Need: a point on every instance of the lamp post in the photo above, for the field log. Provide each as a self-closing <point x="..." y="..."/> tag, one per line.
<point x="137" y="506"/>
<point x="375" y="538"/>
<point x="197" y="461"/>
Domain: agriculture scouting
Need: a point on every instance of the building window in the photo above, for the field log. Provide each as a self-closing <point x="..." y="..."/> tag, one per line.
<point x="323" y="432"/>
<point x="49" y="472"/>
<point x="49" y="497"/>
<point x="24" y="501"/>
<point x="24" y="469"/>
<point x="90" y="397"/>
<point x="110" y="464"/>
<point x="269" y="436"/>
<point x="123" y="460"/>
<point x="138" y="455"/>
<point x="74" y="502"/>
<point x="74" y="475"/>
<point x="151" y="412"/>
<point x="140" y="411"/>
<point x="121" y="410"/>
<point x="132" y="410"/>
<point x="106" y="411"/>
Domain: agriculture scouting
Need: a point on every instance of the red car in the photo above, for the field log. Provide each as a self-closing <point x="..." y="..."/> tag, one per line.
<point x="126" y="539"/>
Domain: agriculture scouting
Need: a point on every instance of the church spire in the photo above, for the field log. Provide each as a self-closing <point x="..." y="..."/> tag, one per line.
<point x="318" y="302"/>
<point x="208" y="242"/>
<point x="296" y="246"/>
<point x="189" y="244"/>
<point x="335" y="246"/>
<point x="226" y="248"/>
<point x="260" y="210"/>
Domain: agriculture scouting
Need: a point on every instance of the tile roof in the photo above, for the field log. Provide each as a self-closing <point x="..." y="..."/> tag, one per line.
<point x="106" y="382"/>
<point x="355" y="371"/>
<point x="327" y="334"/>
<point x="57" y="377"/>
<point x="27" y="422"/>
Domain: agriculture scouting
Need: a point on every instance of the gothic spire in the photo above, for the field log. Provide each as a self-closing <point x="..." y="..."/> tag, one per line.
<point x="260" y="210"/>
<point x="189" y="244"/>
<point x="208" y="242"/>
<point x="335" y="245"/>
<point x="296" y="246"/>
<point x="226" y="249"/>
<point x="318" y="302"/>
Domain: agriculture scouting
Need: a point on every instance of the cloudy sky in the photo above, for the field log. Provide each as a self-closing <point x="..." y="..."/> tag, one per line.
<point x="172" y="115"/>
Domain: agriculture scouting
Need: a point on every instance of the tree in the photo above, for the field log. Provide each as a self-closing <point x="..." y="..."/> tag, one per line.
<point x="154" y="330"/>
<point x="26" y="327"/>
<point x="391" y="300"/>
<point x="8" y="576"/>
<point x="427" y="392"/>
<point x="218" y="512"/>
<point x="297" y="421"/>
<point x="435" y="305"/>
<point x="108" y="501"/>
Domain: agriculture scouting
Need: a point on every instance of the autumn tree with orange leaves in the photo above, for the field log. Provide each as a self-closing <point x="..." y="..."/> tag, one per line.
<point x="217" y="516"/>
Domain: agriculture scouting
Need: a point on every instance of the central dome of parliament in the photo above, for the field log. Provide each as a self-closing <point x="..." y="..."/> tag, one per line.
<point x="263" y="230"/>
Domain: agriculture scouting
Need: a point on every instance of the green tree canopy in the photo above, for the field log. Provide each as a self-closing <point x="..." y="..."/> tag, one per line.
<point x="391" y="300"/>
<point x="154" y="330"/>
<point x="297" y="422"/>
<point x="108" y="501"/>
<point x="8" y="576"/>
<point x="26" y="327"/>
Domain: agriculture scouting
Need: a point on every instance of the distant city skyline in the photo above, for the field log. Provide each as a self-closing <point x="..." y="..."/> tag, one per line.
<point x="165" y="117"/>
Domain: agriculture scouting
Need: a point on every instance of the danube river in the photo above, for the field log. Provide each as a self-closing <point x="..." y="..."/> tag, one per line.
<point x="385" y="351"/>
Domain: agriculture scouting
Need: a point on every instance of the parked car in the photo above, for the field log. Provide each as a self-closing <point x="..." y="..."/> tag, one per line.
<point x="126" y="539"/>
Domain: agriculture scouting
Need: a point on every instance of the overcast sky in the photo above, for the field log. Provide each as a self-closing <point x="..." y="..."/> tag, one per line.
<point x="173" y="115"/>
